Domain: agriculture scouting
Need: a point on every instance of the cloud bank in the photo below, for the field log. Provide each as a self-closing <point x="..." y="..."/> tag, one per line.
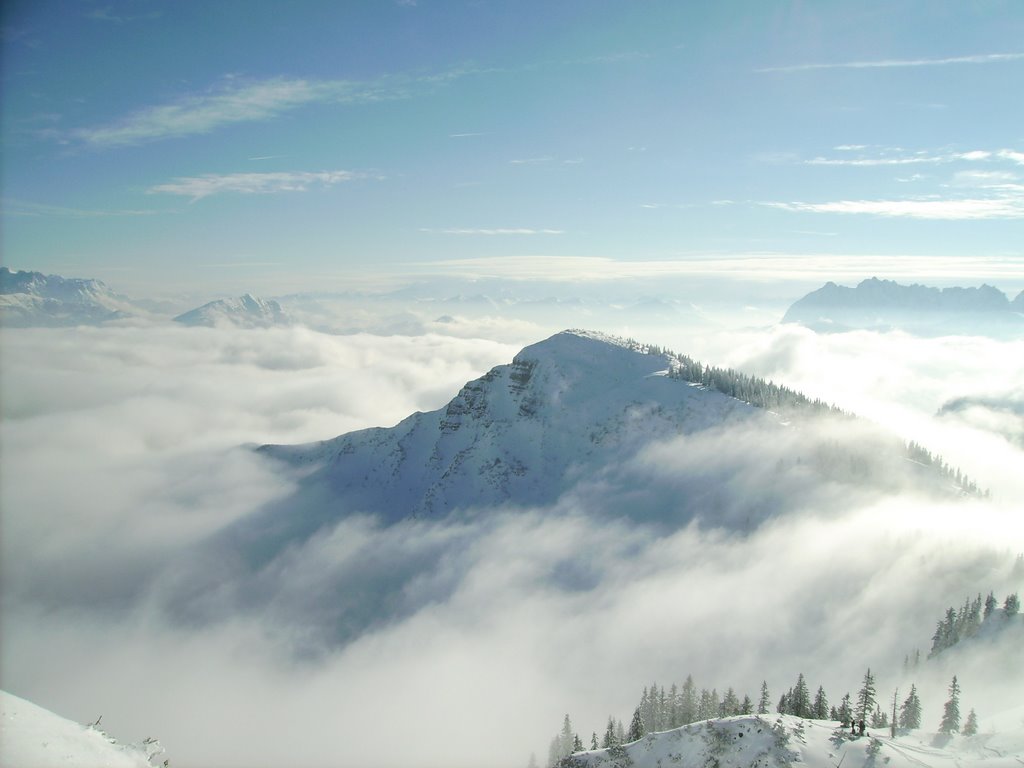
<point x="498" y="622"/>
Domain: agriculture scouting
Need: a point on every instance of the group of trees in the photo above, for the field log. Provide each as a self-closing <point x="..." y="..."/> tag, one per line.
<point x="964" y="623"/>
<point x="767" y="394"/>
<point x="660" y="709"/>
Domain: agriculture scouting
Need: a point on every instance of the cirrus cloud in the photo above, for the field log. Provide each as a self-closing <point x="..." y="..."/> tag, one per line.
<point x="198" y="187"/>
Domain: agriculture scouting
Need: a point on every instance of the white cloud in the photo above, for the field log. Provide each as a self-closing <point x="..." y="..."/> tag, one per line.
<point x="987" y="58"/>
<point x="229" y="103"/>
<point x="757" y="266"/>
<point x="1009" y="207"/>
<point x="510" y="619"/>
<point x="198" y="187"/>
<point x="239" y="101"/>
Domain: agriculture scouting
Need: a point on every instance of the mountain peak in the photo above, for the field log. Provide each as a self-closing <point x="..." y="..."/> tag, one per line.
<point x="246" y="311"/>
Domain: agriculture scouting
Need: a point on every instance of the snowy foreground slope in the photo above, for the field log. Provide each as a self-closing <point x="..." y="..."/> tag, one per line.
<point x="33" y="737"/>
<point x="771" y="741"/>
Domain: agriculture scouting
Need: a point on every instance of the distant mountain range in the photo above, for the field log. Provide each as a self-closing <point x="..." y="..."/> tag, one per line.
<point x="886" y="305"/>
<point x="35" y="299"/>
<point x="246" y="311"/>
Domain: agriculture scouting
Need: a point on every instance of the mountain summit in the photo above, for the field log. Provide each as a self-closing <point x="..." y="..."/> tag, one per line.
<point x="575" y="414"/>
<point x="246" y="311"/>
<point x="562" y="409"/>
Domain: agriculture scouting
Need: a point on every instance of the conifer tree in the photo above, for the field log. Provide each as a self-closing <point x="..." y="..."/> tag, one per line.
<point x="971" y="725"/>
<point x="577" y="745"/>
<point x="866" y="696"/>
<point x="688" y="702"/>
<point x="593" y="740"/>
<point x="819" y="710"/>
<point x="636" y="727"/>
<point x="910" y="710"/>
<point x="730" y="704"/>
<point x="746" y="706"/>
<point x="951" y="711"/>
<point x="609" y="739"/>
<point x="990" y="605"/>
<point x="800" y="699"/>
<point x="765" y="701"/>
<point x="1011" y="607"/>
<point x="845" y="711"/>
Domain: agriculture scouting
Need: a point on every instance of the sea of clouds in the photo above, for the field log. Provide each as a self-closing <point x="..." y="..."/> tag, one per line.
<point x="462" y="641"/>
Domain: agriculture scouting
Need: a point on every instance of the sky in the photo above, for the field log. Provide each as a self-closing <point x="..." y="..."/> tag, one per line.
<point x="156" y="145"/>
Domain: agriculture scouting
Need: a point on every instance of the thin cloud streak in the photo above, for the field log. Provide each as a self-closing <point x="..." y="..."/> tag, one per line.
<point x="248" y="102"/>
<point x="25" y="208"/>
<point x="1008" y="207"/>
<point x="986" y="58"/>
<point x="198" y="187"/>
<point x="500" y="231"/>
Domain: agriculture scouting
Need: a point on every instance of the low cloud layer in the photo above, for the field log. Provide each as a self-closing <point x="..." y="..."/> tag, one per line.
<point x="464" y="639"/>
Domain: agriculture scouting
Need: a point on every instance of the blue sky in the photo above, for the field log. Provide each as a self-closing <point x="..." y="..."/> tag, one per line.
<point x="331" y="141"/>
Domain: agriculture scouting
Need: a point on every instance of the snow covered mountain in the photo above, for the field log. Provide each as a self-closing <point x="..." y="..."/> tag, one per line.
<point x="33" y="737"/>
<point x="782" y="740"/>
<point x="884" y="304"/>
<point x="246" y="311"/>
<point x="34" y="299"/>
<point x="575" y="414"/>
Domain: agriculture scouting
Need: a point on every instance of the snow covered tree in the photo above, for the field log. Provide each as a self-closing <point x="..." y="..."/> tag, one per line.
<point x="609" y="739"/>
<point x="951" y="711"/>
<point x="971" y="725"/>
<point x="845" y="710"/>
<point x="879" y="719"/>
<point x="746" y="706"/>
<point x="593" y="740"/>
<point x="819" y="710"/>
<point x="577" y="745"/>
<point x="1011" y="607"/>
<point x="730" y="704"/>
<point x="765" y="700"/>
<point x="910" y="710"/>
<point x="636" y="727"/>
<point x="990" y="605"/>
<point x="688" y="702"/>
<point x="866" y="696"/>
<point x="800" y="699"/>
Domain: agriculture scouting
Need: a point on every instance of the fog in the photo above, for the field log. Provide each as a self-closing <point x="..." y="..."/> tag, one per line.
<point x="463" y="641"/>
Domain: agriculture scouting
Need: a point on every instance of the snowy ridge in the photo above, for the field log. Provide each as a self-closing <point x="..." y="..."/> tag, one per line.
<point x="246" y="311"/>
<point x="763" y="741"/>
<point x="33" y="737"/>
<point x="521" y="433"/>
<point x="567" y="410"/>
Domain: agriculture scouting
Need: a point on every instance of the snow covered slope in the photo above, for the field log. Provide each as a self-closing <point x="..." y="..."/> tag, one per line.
<point x="522" y="432"/>
<point x="572" y="411"/>
<point x="246" y="311"/>
<point x="33" y="737"/>
<point x="34" y="299"/>
<point x="763" y="741"/>
<point x="884" y="304"/>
